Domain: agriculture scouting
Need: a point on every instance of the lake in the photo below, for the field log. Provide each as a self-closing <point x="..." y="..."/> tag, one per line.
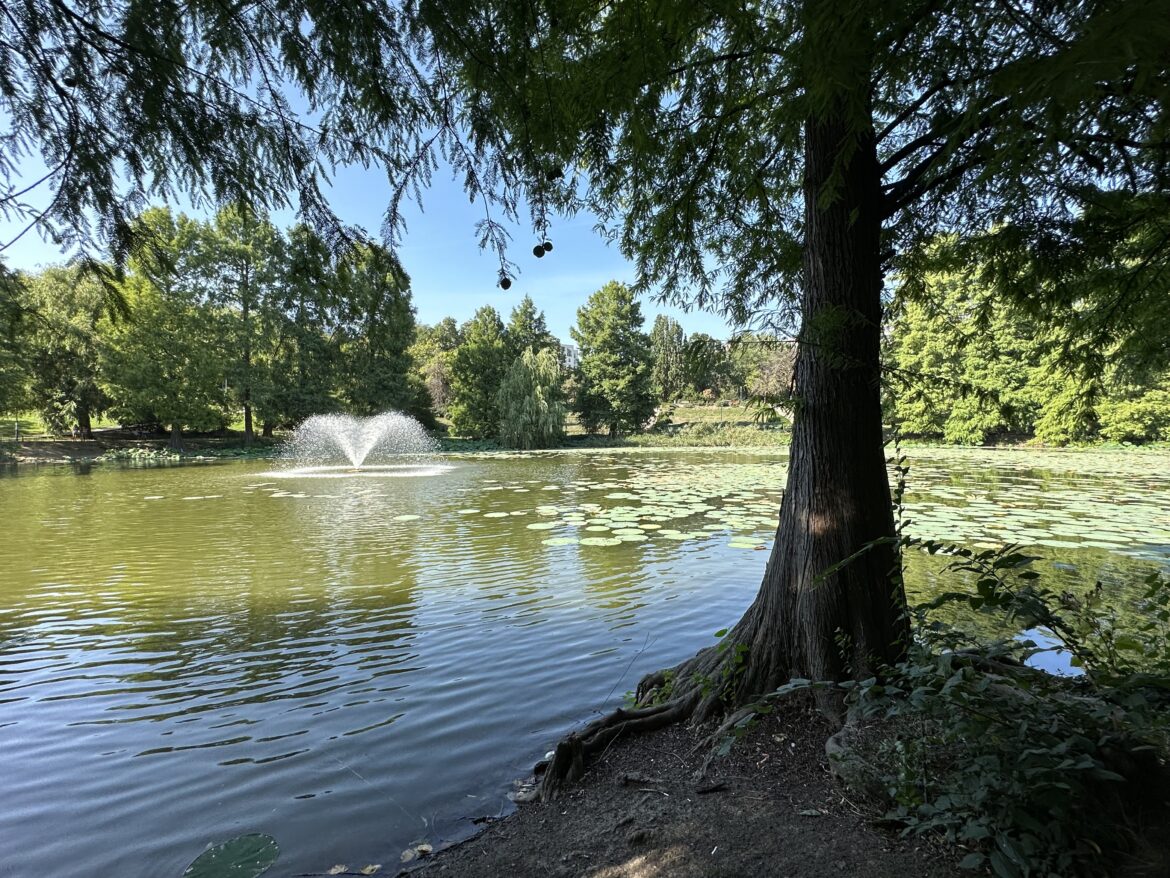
<point x="356" y="664"/>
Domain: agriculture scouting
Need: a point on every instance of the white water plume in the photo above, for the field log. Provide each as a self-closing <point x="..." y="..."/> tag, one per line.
<point x="388" y="436"/>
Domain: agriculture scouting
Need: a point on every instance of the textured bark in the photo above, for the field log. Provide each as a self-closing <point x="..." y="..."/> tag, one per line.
<point x="84" y="422"/>
<point x="176" y="442"/>
<point x="805" y="623"/>
<point x="246" y="321"/>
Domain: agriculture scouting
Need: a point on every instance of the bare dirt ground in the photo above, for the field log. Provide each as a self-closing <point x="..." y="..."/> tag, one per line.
<point x="56" y="450"/>
<point x="771" y="808"/>
<point x="65" y="450"/>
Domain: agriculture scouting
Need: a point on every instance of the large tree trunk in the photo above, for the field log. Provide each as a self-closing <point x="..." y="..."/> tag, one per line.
<point x="246" y="321"/>
<point x="814" y="616"/>
<point x="807" y="622"/>
<point x="84" y="422"/>
<point x="249" y="433"/>
<point x="176" y="442"/>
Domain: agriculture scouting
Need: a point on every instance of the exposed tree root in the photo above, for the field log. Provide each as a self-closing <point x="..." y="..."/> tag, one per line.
<point x="697" y="690"/>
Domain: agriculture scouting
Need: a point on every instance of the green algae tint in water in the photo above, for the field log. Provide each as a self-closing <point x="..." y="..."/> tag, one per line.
<point x="347" y="664"/>
<point x="354" y="664"/>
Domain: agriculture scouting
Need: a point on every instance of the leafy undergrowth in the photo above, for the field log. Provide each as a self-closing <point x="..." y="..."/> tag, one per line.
<point x="1028" y="773"/>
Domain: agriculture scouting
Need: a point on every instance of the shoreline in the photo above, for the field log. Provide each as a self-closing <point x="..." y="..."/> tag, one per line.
<point x="91" y="451"/>
<point x="648" y="809"/>
<point x="39" y="452"/>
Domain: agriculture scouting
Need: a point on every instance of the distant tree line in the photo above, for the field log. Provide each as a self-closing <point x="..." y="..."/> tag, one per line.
<point x="512" y="382"/>
<point x="230" y="319"/>
<point x="212" y="321"/>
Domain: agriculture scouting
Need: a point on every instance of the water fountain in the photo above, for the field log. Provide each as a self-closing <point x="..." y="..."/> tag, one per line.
<point x="385" y="445"/>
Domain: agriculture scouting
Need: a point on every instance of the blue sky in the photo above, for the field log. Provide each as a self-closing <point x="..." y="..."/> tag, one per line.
<point x="450" y="275"/>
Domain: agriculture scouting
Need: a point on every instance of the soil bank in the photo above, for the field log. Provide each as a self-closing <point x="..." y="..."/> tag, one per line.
<point x="770" y="808"/>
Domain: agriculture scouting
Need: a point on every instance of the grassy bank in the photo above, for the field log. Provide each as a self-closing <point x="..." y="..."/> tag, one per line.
<point x="691" y="426"/>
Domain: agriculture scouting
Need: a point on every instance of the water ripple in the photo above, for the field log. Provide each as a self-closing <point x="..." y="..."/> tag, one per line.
<point x="353" y="664"/>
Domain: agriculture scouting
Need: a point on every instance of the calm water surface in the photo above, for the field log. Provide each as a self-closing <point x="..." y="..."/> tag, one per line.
<point x="355" y="664"/>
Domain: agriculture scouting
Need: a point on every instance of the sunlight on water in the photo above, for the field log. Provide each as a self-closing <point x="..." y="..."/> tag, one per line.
<point x="388" y="471"/>
<point x="352" y="664"/>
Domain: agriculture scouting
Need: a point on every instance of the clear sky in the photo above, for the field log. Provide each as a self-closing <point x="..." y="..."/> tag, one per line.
<point x="450" y="275"/>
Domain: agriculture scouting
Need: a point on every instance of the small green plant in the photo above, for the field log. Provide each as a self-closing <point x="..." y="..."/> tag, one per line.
<point x="659" y="695"/>
<point x="1020" y="767"/>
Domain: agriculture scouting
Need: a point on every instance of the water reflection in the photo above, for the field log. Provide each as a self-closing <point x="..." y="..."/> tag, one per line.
<point x="354" y="664"/>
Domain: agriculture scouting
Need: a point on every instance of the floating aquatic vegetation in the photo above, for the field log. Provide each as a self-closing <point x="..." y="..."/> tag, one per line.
<point x="245" y="856"/>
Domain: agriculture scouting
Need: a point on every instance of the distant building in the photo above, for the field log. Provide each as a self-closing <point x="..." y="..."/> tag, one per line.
<point x="570" y="356"/>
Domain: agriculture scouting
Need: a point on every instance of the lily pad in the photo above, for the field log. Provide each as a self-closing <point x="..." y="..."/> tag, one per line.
<point x="601" y="541"/>
<point x="244" y="856"/>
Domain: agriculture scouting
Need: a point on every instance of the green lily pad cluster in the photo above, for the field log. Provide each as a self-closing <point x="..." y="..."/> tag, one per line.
<point x="1056" y="500"/>
<point x="651" y="501"/>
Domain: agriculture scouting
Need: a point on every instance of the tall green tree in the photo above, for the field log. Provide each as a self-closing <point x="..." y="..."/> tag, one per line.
<point x="764" y="364"/>
<point x="433" y="352"/>
<point x="163" y="364"/>
<point x="377" y="332"/>
<point x="14" y="375"/>
<point x="963" y="366"/>
<point x="972" y="365"/>
<point x="806" y="148"/>
<point x="66" y="309"/>
<point x="614" y="389"/>
<point x="532" y="406"/>
<point x="477" y="372"/>
<point x="667" y="348"/>
<point x="707" y="366"/>
<point x="302" y="364"/>
<point x="236" y="267"/>
<point x="527" y="329"/>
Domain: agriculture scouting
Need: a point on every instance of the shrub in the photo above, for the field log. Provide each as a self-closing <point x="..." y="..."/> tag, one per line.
<point x="1025" y="769"/>
<point x="1030" y="773"/>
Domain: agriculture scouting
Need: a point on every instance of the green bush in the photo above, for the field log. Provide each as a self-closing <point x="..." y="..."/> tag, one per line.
<point x="1028" y="771"/>
<point x="1144" y="419"/>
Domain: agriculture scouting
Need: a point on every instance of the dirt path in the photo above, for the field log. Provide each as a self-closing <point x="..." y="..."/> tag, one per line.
<point x="769" y="809"/>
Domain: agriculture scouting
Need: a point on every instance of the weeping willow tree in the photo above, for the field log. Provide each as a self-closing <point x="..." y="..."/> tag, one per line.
<point x="531" y="402"/>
